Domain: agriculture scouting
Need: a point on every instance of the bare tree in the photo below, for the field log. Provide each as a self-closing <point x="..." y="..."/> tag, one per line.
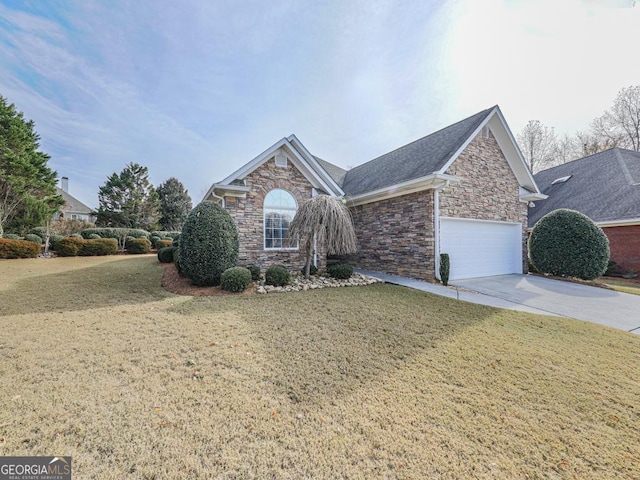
<point x="538" y="144"/>
<point x="621" y="123"/>
<point x="323" y="220"/>
<point x="590" y="142"/>
<point x="567" y="149"/>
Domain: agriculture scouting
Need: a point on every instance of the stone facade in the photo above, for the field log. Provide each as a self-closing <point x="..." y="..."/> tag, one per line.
<point x="248" y="214"/>
<point x="488" y="189"/>
<point x="624" y="244"/>
<point x="396" y="236"/>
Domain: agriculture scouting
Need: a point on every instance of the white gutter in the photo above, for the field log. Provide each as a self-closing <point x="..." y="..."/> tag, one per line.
<point x="428" y="182"/>
<point x="436" y="226"/>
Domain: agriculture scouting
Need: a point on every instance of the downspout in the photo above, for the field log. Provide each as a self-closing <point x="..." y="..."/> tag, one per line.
<point x="222" y="202"/>
<point x="436" y="226"/>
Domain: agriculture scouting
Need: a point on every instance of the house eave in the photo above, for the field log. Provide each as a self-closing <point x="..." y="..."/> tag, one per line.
<point x="628" y="222"/>
<point x="428" y="182"/>
<point x="228" y="190"/>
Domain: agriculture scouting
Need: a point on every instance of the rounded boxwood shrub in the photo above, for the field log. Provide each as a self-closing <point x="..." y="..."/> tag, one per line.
<point x="165" y="255"/>
<point x="98" y="247"/>
<point x="340" y="271"/>
<point x="313" y="270"/>
<point x="75" y="235"/>
<point x="255" y="272"/>
<point x="69" y="247"/>
<point x="276" y="275"/>
<point x="138" y="245"/>
<point x="567" y="243"/>
<point x="163" y="242"/>
<point x="235" y="279"/>
<point x="11" y="236"/>
<point x="208" y="244"/>
<point x="18" y="248"/>
<point x="93" y="236"/>
<point x="53" y="241"/>
<point x="32" y="237"/>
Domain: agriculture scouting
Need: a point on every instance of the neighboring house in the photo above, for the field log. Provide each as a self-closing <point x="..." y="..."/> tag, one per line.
<point x="462" y="190"/>
<point x="606" y="188"/>
<point x="73" y="208"/>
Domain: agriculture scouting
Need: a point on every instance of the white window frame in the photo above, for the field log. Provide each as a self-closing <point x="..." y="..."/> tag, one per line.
<point x="273" y="209"/>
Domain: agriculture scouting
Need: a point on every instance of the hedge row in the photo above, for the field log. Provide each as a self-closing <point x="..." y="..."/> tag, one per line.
<point x="18" y="249"/>
<point x="71" y="247"/>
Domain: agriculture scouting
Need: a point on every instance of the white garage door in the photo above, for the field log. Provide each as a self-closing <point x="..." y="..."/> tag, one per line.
<point x="479" y="248"/>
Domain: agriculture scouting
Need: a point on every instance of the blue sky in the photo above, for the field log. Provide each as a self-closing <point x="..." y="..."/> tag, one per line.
<point x="195" y="89"/>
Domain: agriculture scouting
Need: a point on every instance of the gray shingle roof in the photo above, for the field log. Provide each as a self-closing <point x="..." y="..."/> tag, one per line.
<point x="417" y="159"/>
<point x="334" y="171"/>
<point x="605" y="187"/>
<point x="72" y="204"/>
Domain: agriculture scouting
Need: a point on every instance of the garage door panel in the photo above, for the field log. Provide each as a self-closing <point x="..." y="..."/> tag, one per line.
<point x="479" y="248"/>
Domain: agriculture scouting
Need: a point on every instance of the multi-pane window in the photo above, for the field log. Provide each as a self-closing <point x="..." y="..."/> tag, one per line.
<point x="279" y="209"/>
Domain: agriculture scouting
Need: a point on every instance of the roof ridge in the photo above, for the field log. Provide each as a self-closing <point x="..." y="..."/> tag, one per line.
<point x="422" y="138"/>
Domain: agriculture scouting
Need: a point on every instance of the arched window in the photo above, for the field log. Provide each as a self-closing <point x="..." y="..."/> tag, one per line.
<point x="279" y="209"/>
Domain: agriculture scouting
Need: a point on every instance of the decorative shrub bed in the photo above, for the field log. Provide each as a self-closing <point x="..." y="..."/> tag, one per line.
<point x="98" y="247"/>
<point x="18" y="248"/>
<point x="32" y="237"/>
<point x="69" y="247"/>
<point x="255" y="272"/>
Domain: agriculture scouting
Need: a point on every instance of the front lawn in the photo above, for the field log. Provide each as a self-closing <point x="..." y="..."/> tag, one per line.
<point x="622" y="284"/>
<point x="100" y="363"/>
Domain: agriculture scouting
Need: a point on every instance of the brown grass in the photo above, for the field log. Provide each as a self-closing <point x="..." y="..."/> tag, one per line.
<point x="622" y="284"/>
<point x="367" y="382"/>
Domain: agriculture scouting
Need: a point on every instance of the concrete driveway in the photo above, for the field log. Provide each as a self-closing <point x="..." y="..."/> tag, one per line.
<point x="547" y="296"/>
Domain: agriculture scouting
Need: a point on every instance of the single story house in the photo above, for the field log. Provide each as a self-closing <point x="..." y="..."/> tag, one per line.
<point x="606" y="188"/>
<point x="73" y="208"/>
<point x="462" y="190"/>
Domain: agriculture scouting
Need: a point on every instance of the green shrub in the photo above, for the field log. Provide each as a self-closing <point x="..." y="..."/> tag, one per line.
<point x="444" y="268"/>
<point x="208" y="244"/>
<point x="98" y="247"/>
<point x="138" y="245"/>
<point x="154" y="239"/>
<point x="313" y="270"/>
<point x="176" y="241"/>
<point x="11" y="236"/>
<point x="39" y="231"/>
<point x="69" y="247"/>
<point x="53" y="241"/>
<point x="176" y="261"/>
<point x="333" y="261"/>
<point x="165" y="255"/>
<point x="235" y="279"/>
<point x="277" y="275"/>
<point x="18" y="248"/>
<point x="162" y="243"/>
<point x="255" y="272"/>
<point x="95" y="236"/>
<point x="166" y="234"/>
<point x="340" y="271"/>
<point x="32" y="237"/>
<point x="567" y="243"/>
<point x="75" y="235"/>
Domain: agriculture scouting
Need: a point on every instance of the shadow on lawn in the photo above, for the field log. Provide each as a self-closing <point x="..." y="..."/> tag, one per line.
<point x="122" y="282"/>
<point x="326" y="343"/>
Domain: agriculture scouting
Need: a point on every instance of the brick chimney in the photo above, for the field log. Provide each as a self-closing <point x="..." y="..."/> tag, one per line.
<point x="64" y="184"/>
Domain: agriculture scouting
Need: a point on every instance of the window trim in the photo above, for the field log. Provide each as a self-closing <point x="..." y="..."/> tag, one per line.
<point x="265" y="211"/>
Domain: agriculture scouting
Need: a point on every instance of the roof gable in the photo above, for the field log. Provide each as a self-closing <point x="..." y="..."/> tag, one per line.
<point x="605" y="187"/>
<point x="72" y="204"/>
<point x="433" y="155"/>
<point x="299" y="157"/>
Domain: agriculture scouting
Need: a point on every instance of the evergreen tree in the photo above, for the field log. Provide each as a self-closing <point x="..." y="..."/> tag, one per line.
<point x="26" y="181"/>
<point x="128" y="200"/>
<point x="175" y="204"/>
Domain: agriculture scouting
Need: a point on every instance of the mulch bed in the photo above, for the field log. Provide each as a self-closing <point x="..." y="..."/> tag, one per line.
<point x="174" y="283"/>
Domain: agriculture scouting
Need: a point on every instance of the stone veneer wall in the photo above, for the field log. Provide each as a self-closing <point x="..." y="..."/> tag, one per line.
<point x="248" y="215"/>
<point x="488" y="189"/>
<point x="396" y="236"/>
